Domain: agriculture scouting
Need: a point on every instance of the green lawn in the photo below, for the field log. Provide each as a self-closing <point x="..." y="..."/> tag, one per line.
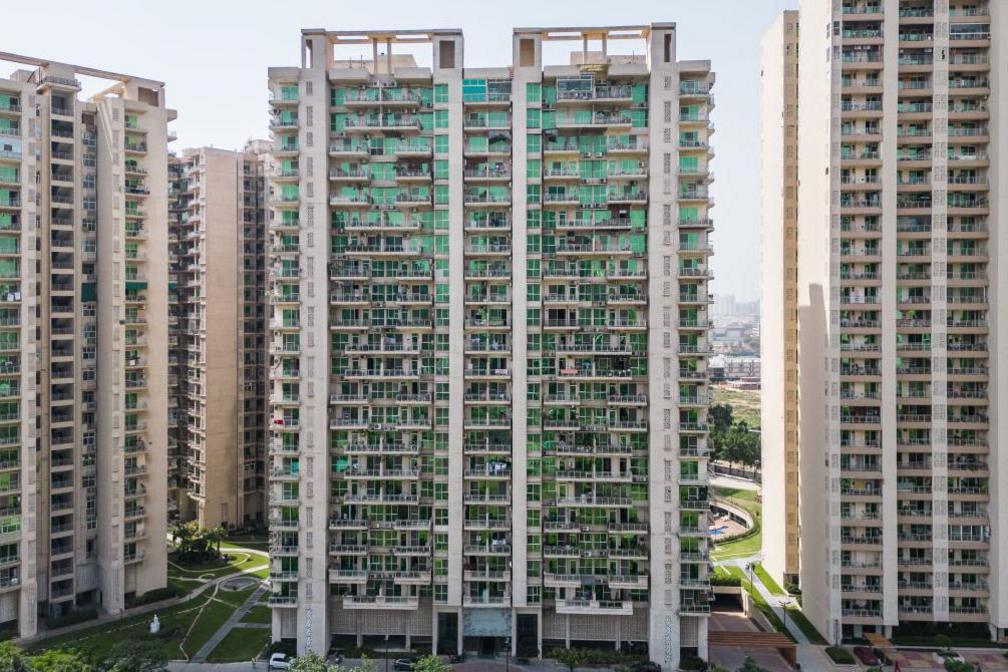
<point x="209" y="621"/>
<point x="745" y="403"/>
<point x="238" y="545"/>
<point x="746" y="498"/>
<point x="183" y="586"/>
<point x="202" y="614"/>
<point x="805" y="625"/>
<point x="239" y="645"/>
<point x="744" y="546"/>
<point x="237" y="560"/>
<point x="235" y="598"/>
<point x="840" y="655"/>
<point x="99" y="640"/>
<point x="768" y="581"/>
<point x="258" y="614"/>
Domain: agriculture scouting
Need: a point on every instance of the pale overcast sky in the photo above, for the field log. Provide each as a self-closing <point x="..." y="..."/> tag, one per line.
<point x="213" y="56"/>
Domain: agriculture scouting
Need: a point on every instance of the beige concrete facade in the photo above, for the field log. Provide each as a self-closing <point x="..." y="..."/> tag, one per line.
<point x="779" y="316"/>
<point x="900" y="364"/>
<point x="218" y="318"/>
<point x="489" y="341"/>
<point x="83" y="513"/>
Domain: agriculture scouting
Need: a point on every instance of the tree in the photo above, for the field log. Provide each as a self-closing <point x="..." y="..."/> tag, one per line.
<point x="12" y="659"/>
<point x="182" y="537"/>
<point x="429" y="664"/>
<point x="311" y="662"/>
<point x="570" y="658"/>
<point x="953" y="665"/>
<point x="60" y="660"/>
<point x="749" y="665"/>
<point x="215" y="536"/>
<point x="720" y="416"/>
<point x="135" y="656"/>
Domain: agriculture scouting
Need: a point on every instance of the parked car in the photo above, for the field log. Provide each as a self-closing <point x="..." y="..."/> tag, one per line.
<point x="280" y="661"/>
<point x="403" y="664"/>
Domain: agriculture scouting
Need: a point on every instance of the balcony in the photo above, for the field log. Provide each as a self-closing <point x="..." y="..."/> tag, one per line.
<point x="595" y="607"/>
<point x="393" y="602"/>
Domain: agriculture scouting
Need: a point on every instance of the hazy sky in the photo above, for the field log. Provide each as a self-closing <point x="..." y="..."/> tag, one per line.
<point x="213" y="57"/>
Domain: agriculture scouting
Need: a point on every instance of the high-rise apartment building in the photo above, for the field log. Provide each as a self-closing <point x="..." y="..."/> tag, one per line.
<point x="218" y="337"/>
<point x="899" y="365"/>
<point x="83" y="335"/>
<point x="489" y="293"/>
<point x="779" y="332"/>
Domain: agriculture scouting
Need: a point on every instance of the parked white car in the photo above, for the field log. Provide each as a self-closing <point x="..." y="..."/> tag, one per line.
<point x="280" y="661"/>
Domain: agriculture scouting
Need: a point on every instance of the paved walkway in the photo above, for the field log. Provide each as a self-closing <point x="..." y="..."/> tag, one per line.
<point x="776" y="602"/>
<point x="722" y="481"/>
<point x="231" y="623"/>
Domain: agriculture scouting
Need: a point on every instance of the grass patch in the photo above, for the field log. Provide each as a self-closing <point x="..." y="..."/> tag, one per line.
<point x="236" y="561"/>
<point x="99" y="640"/>
<point x="235" y="598"/>
<point x="254" y="544"/>
<point x="241" y="644"/>
<point x="183" y="586"/>
<point x="741" y="494"/>
<point x="805" y="625"/>
<point x="209" y="621"/>
<point x="724" y="576"/>
<point x="840" y="655"/>
<point x="961" y="634"/>
<point x="746" y="544"/>
<point x="258" y="614"/>
<point x="768" y="581"/>
<point x="745" y="403"/>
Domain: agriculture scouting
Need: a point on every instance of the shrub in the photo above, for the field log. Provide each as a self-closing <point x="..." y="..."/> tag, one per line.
<point x="691" y="662"/>
<point x="719" y="579"/>
<point x="840" y="655"/>
<point x="73" y="618"/>
<point x="952" y="665"/>
<point x="572" y="658"/>
<point x="150" y="596"/>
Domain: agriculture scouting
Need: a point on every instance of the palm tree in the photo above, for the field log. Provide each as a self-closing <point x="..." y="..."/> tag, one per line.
<point x="215" y="536"/>
<point x="182" y="537"/>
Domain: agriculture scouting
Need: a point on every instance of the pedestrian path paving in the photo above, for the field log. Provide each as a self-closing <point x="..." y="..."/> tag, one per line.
<point x="232" y="622"/>
<point x="777" y="602"/>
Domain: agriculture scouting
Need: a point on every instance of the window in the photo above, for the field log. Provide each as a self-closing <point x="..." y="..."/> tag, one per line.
<point x="440" y="93"/>
<point x="446" y="54"/>
<point x="533" y="92"/>
<point x="526" y="52"/>
<point x="533" y="119"/>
